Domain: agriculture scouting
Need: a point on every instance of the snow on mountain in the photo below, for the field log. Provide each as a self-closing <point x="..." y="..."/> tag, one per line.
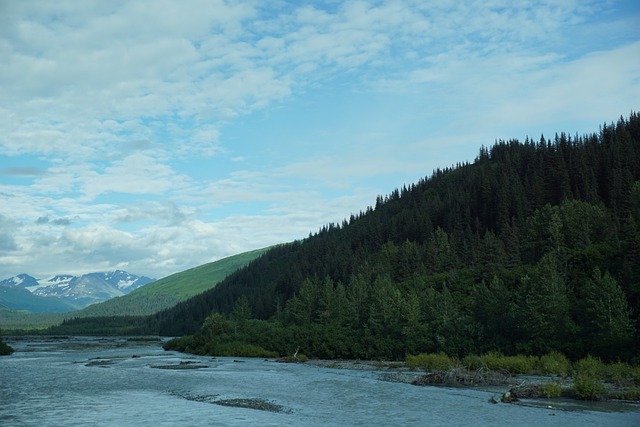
<point x="21" y="280"/>
<point x="126" y="282"/>
<point x="58" y="281"/>
<point x="82" y="290"/>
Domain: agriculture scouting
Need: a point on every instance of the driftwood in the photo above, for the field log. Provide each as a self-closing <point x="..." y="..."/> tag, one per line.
<point x="528" y="391"/>
<point x="291" y="359"/>
<point x="462" y="377"/>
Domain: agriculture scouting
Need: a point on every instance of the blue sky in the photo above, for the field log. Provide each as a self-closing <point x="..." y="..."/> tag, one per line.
<point x="155" y="136"/>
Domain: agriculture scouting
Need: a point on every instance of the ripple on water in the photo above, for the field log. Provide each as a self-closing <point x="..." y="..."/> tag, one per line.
<point x="54" y="388"/>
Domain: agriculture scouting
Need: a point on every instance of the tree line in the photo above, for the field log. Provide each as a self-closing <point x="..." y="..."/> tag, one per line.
<point x="533" y="247"/>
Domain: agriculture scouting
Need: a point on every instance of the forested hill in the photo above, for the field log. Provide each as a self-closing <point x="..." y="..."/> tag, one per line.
<point x="533" y="247"/>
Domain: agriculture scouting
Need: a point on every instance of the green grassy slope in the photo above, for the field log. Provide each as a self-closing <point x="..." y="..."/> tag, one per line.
<point x="170" y="290"/>
<point x="196" y="280"/>
<point x="21" y="299"/>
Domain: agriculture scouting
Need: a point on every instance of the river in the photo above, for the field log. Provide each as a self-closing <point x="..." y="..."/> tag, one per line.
<point x="116" y="382"/>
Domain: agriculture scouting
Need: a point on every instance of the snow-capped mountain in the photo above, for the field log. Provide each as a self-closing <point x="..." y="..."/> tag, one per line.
<point x="58" y="281"/>
<point x="21" y="280"/>
<point x="80" y="291"/>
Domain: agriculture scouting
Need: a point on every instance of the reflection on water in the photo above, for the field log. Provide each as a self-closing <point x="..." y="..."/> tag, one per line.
<point x="112" y="382"/>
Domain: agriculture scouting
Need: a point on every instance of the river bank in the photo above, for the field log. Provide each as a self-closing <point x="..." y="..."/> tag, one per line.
<point x="507" y="388"/>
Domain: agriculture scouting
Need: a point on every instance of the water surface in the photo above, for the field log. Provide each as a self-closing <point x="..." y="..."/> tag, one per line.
<point x="115" y="382"/>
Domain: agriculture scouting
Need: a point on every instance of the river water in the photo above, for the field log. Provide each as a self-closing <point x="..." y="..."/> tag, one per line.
<point x="115" y="382"/>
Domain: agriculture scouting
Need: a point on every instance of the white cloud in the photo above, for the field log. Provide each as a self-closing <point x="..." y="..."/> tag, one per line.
<point x="107" y="110"/>
<point x="137" y="173"/>
<point x="213" y="61"/>
<point x="7" y="233"/>
<point x="588" y="87"/>
<point x="118" y="63"/>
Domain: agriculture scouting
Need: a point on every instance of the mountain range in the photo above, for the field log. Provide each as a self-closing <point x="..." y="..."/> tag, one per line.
<point x="21" y="309"/>
<point x="65" y="292"/>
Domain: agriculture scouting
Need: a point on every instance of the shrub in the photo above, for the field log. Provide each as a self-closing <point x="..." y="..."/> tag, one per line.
<point x="179" y="344"/>
<point x="588" y="387"/>
<point x="551" y="390"/>
<point x="513" y="364"/>
<point x="431" y="361"/>
<point x="587" y="383"/>
<point x="554" y="363"/>
<point x="473" y="362"/>
<point x="622" y="374"/>
<point x="589" y="365"/>
<point x="635" y="374"/>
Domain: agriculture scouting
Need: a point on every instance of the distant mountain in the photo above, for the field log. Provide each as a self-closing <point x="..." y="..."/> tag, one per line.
<point x="73" y="292"/>
<point x="21" y="280"/>
<point x="58" y="281"/>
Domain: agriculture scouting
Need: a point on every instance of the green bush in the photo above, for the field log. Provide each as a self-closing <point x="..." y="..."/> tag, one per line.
<point x="179" y="344"/>
<point x="551" y="390"/>
<point x="588" y="387"/>
<point x="635" y="374"/>
<point x="622" y="374"/>
<point x="431" y="361"/>
<point x="473" y="362"/>
<point x="589" y="365"/>
<point x="554" y="363"/>
<point x="587" y="382"/>
<point x="513" y="364"/>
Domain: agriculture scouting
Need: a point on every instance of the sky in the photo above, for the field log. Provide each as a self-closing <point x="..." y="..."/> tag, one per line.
<point x="154" y="136"/>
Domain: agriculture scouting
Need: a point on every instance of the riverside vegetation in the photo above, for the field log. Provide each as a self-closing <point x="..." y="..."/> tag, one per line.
<point x="533" y="248"/>
<point x="586" y="379"/>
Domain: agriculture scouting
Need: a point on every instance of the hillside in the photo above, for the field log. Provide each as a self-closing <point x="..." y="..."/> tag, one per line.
<point x="17" y="298"/>
<point x="533" y="247"/>
<point x="169" y="291"/>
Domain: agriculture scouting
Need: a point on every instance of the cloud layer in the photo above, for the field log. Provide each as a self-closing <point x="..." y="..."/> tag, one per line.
<point x="159" y="135"/>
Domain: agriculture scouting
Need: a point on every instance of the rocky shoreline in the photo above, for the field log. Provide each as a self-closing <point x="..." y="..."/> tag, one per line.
<point x="509" y="388"/>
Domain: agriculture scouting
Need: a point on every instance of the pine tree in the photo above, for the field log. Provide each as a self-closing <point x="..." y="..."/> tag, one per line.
<point x="548" y="322"/>
<point x="608" y="326"/>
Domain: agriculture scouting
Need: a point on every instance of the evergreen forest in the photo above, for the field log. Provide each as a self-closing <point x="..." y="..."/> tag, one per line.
<point x="532" y="248"/>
